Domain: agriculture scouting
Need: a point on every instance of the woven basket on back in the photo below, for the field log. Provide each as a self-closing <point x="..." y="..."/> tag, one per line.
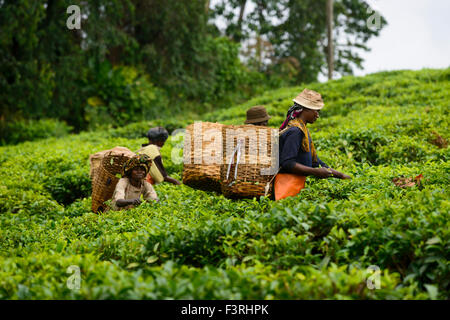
<point x="107" y="175"/>
<point x="198" y="172"/>
<point x="95" y="161"/>
<point x="243" y="177"/>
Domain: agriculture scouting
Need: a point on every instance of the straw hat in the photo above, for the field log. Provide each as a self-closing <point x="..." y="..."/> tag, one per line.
<point x="257" y="114"/>
<point x="310" y="99"/>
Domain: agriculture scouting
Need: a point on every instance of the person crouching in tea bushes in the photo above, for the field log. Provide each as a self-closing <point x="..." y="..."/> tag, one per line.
<point x="257" y="116"/>
<point x="156" y="139"/>
<point x="132" y="185"/>
<point x="298" y="157"/>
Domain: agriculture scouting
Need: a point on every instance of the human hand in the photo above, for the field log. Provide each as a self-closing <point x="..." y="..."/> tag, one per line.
<point x="345" y="176"/>
<point x="340" y="175"/>
<point x="172" y="180"/>
<point x="135" y="202"/>
<point x="323" y="173"/>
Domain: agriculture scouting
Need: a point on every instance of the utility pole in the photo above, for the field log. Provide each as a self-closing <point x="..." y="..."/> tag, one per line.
<point x="238" y="35"/>
<point x="330" y="38"/>
<point x="241" y="12"/>
<point x="207" y="7"/>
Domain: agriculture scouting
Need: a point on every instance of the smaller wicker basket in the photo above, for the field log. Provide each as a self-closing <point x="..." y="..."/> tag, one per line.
<point x="95" y="161"/>
<point x="107" y="175"/>
<point x="203" y="176"/>
<point x="102" y="189"/>
<point x="114" y="160"/>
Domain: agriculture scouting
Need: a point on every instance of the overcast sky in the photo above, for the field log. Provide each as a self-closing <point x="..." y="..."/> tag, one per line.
<point x="417" y="36"/>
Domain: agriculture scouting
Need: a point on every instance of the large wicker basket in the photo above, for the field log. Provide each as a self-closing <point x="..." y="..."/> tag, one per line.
<point x="249" y="175"/>
<point x="198" y="171"/>
<point x="107" y="175"/>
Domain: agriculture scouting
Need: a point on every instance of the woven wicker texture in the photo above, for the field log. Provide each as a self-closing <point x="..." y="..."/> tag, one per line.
<point x="255" y="154"/>
<point x="95" y="161"/>
<point x="107" y="175"/>
<point x="102" y="189"/>
<point x="204" y="175"/>
<point x="114" y="159"/>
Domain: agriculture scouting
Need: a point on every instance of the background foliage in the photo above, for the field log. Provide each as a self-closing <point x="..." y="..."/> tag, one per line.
<point x="135" y="60"/>
<point x="288" y="38"/>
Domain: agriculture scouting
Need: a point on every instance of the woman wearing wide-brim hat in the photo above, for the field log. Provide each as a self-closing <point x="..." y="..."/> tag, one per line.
<point x="257" y="116"/>
<point x="298" y="157"/>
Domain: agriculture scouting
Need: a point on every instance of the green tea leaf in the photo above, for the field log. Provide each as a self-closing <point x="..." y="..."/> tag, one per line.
<point x="152" y="259"/>
<point x="132" y="265"/>
<point x="432" y="291"/>
<point x="433" y="240"/>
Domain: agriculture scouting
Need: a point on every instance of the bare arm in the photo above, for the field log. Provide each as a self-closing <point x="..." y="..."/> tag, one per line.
<point x="172" y="180"/>
<point x="160" y="166"/>
<point x="340" y="175"/>
<point x="303" y="170"/>
<point x="318" y="172"/>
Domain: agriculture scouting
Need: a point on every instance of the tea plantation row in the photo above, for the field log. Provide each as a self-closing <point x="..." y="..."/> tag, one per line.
<point x="200" y="245"/>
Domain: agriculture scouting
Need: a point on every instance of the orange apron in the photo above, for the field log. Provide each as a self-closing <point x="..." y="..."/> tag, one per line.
<point x="288" y="185"/>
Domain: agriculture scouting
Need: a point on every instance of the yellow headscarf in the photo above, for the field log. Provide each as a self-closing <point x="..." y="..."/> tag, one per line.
<point x="305" y="141"/>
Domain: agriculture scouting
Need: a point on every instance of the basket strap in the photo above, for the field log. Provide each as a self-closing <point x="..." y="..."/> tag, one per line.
<point x="266" y="189"/>
<point x="283" y="131"/>
<point x="238" y="157"/>
<point x="238" y="151"/>
<point x="229" y="165"/>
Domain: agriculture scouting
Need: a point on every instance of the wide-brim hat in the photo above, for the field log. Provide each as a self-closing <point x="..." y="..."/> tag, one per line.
<point x="257" y="114"/>
<point x="310" y="99"/>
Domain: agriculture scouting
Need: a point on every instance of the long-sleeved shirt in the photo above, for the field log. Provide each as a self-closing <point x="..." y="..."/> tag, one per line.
<point x="125" y="190"/>
<point x="291" y="151"/>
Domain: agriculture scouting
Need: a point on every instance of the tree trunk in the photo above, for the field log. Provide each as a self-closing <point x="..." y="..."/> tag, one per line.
<point x="330" y="38"/>
<point x="207" y="7"/>
<point x="241" y="12"/>
<point x="237" y="35"/>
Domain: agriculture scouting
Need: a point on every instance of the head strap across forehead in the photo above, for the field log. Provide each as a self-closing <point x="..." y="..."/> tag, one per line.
<point x="292" y="113"/>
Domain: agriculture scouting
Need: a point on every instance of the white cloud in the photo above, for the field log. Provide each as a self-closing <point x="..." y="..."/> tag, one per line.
<point x="417" y="36"/>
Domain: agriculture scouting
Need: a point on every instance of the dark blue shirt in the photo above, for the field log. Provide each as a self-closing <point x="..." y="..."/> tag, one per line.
<point x="291" y="151"/>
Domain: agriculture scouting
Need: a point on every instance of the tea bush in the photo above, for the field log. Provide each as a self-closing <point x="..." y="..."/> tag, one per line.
<point x="200" y="245"/>
<point x="29" y="130"/>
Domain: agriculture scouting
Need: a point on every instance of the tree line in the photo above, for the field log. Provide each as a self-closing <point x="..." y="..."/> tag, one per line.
<point x="134" y="59"/>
